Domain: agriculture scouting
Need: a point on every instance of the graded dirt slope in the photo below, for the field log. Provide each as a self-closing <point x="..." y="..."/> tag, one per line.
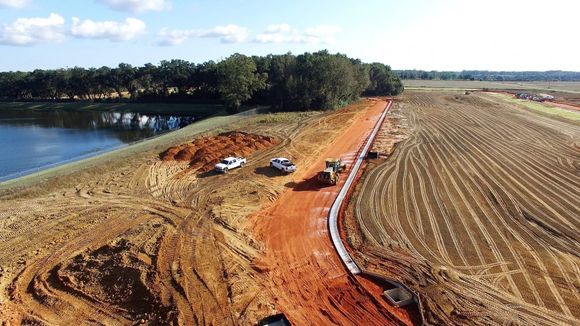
<point x="478" y="211"/>
<point x="142" y="240"/>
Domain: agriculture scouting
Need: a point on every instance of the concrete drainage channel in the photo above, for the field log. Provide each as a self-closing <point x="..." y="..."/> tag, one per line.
<point x="400" y="295"/>
<point x="335" y="209"/>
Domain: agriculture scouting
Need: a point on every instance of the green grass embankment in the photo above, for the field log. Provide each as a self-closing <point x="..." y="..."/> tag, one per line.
<point x="543" y="108"/>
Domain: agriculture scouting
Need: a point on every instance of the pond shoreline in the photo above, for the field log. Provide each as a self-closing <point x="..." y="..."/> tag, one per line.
<point x="153" y="143"/>
<point x="43" y="135"/>
<point x="89" y="155"/>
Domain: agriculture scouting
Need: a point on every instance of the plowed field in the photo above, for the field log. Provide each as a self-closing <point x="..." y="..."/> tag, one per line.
<point x="478" y="210"/>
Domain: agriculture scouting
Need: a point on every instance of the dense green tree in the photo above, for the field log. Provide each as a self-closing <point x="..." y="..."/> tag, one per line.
<point x="78" y="83"/>
<point x="205" y="80"/>
<point x="176" y="74"/>
<point x="13" y="85"/>
<point x="40" y="84"/>
<point x="116" y="81"/>
<point x="102" y="85"/>
<point x="129" y="79"/>
<point x="317" y="80"/>
<point x="146" y="78"/>
<point x="383" y="81"/>
<point x="238" y="80"/>
<point x="282" y="80"/>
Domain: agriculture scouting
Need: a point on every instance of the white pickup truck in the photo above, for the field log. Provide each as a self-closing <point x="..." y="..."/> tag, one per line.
<point x="229" y="163"/>
<point x="283" y="164"/>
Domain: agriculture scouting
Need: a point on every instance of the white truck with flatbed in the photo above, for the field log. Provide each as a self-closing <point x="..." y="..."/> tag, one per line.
<point x="229" y="163"/>
<point x="283" y="164"/>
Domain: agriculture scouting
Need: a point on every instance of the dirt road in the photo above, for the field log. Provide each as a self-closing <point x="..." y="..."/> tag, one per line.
<point x="305" y="275"/>
<point x="478" y="211"/>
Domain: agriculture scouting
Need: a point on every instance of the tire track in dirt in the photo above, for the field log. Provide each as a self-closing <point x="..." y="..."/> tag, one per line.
<point x="153" y="242"/>
<point x="484" y="199"/>
<point x="519" y="261"/>
<point x="307" y="277"/>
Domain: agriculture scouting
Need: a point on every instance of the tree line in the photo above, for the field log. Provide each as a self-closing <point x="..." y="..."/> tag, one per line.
<point x="553" y="75"/>
<point x="317" y="80"/>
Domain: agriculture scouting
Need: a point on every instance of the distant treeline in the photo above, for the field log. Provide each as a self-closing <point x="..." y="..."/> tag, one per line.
<point x="553" y="75"/>
<point x="287" y="82"/>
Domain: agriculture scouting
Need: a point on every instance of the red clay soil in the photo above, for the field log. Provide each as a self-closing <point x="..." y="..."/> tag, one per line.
<point x="306" y="276"/>
<point x="204" y="153"/>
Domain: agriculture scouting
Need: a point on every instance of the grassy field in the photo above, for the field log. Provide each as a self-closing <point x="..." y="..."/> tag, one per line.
<point x="158" y="108"/>
<point x="568" y="87"/>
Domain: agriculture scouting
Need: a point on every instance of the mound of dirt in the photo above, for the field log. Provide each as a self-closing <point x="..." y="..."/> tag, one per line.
<point x="203" y="153"/>
<point x="113" y="275"/>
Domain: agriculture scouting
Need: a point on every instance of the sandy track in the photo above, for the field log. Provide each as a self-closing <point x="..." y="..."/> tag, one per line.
<point x="478" y="211"/>
<point x="152" y="241"/>
<point x="305" y="274"/>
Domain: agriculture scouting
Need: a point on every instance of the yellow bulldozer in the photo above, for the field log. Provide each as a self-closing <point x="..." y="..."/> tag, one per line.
<point x="331" y="174"/>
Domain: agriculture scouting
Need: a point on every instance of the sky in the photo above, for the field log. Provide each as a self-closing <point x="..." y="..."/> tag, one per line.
<point x="405" y="34"/>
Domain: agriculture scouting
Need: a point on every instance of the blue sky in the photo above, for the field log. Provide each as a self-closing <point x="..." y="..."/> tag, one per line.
<point x="422" y="34"/>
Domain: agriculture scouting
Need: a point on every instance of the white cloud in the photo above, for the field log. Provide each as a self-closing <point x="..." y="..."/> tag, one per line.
<point x="226" y="34"/>
<point x="278" y="28"/>
<point x="111" y="30"/>
<point x="137" y="5"/>
<point x="28" y="31"/>
<point x="13" y="3"/>
<point x="172" y="36"/>
<point x="283" y="33"/>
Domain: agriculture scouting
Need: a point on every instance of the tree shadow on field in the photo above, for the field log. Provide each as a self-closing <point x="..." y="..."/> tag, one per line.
<point x="310" y="184"/>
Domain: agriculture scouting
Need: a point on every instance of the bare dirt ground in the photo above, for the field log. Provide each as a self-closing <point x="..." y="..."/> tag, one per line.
<point x="477" y="211"/>
<point x="304" y="271"/>
<point x="142" y="240"/>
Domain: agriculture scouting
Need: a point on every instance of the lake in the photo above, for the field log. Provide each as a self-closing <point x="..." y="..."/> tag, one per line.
<point x="31" y="140"/>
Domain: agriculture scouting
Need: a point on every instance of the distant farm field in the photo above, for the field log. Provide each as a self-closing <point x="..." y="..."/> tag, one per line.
<point x="569" y="87"/>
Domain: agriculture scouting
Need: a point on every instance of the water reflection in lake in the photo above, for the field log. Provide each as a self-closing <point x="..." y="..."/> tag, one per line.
<point x="132" y="121"/>
<point x="31" y="140"/>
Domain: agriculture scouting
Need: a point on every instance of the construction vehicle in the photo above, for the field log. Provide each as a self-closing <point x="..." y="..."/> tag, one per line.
<point x="331" y="173"/>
